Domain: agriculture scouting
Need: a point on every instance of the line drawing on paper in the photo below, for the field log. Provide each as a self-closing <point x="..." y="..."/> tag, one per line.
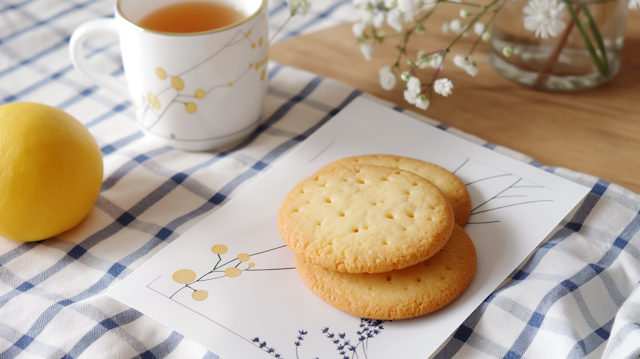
<point x="510" y="190"/>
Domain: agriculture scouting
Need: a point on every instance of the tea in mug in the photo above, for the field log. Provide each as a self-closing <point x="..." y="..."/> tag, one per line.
<point x="193" y="16"/>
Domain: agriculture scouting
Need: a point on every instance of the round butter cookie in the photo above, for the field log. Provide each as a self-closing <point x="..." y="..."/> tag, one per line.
<point x="365" y="219"/>
<point x="455" y="191"/>
<point x="400" y="294"/>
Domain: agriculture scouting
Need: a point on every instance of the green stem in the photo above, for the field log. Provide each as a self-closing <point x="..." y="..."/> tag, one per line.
<point x="603" y="69"/>
<point x="495" y="12"/>
<point x="596" y="35"/>
<point x="462" y="3"/>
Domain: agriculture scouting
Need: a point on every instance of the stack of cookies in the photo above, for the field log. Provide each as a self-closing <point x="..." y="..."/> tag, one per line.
<point x="381" y="236"/>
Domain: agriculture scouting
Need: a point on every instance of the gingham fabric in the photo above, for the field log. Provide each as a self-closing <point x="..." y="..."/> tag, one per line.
<point x="576" y="296"/>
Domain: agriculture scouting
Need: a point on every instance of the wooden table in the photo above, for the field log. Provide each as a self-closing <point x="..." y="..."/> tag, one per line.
<point x="595" y="131"/>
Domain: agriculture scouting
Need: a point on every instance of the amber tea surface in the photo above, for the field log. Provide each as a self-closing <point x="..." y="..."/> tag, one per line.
<point x="193" y="16"/>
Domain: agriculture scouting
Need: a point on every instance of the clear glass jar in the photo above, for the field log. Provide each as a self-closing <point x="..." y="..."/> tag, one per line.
<point x="575" y="55"/>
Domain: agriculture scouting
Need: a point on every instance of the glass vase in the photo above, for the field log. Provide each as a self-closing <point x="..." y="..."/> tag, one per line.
<point x="559" y="45"/>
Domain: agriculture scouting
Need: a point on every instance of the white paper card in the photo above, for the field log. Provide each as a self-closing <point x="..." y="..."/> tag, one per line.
<point x="229" y="282"/>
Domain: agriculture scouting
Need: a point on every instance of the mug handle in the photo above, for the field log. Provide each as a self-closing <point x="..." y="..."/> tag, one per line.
<point x="82" y="34"/>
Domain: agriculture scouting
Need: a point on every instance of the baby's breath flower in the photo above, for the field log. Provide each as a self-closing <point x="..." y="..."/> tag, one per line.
<point x="299" y="6"/>
<point x="443" y="87"/>
<point x="471" y="69"/>
<point x="422" y="102"/>
<point x="420" y="30"/>
<point x="486" y="37"/>
<point x="455" y="25"/>
<point x="405" y="76"/>
<point x="394" y="19"/>
<point x="634" y="4"/>
<point x="358" y="29"/>
<point x="378" y="19"/>
<point x="460" y="61"/>
<point x="422" y="55"/>
<point x="507" y="51"/>
<point x="409" y="9"/>
<point x="409" y="97"/>
<point x="436" y="61"/>
<point x="544" y="17"/>
<point x="423" y="64"/>
<point x="445" y="28"/>
<point x="367" y="50"/>
<point x="464" y="13"/>
<point x="414" y="85"/>
<point x="387" y="78"/>
<point x="367" y="16"/>
<point x="479" y="28"/>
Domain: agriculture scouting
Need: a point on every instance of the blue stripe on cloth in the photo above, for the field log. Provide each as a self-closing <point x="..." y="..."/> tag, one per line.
<point x="17" y="252"/>
<point x="283" y="5"/>
<point x="163" y="349"/>
<point x="620" y="338"/>
<point x="101" y="328"/>
<point x="114" y="146"/>
<point x="317" y="19"/>
<point x="572" y="284"/>
<point x="115" y="226"/>
<point x="53" y="77"/>
<point x="454" y="345"/>
<point x="61" y="44"/>
<point x="591" y="342"/>
<point x="48" y="20"/>
<point x="274" y="71"/>
<point x="15" y="6"/>
<point x="210" y="355"/>
<point x="128" y="166"/>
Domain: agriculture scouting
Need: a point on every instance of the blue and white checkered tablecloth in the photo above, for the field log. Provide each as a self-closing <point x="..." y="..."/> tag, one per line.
<point x="578" y="295"/>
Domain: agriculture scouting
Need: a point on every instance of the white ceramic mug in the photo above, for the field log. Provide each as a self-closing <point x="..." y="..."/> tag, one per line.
<point x="193" y="91"/>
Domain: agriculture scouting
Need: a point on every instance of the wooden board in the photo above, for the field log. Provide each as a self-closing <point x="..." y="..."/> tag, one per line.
<point x="595" y="131"/>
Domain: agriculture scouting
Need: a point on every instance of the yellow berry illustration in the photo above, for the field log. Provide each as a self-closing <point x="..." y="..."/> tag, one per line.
<point x="153" y="100"/>
<point x="251" y="265"/>
<point x="184" y="276"/>
<point x="248" y="33"/>
<point x="219" y="249"/>
<point x="230" y="84"/>
<point x="251" y="65"/>
<point x="232" y="272"/>
<point x="161" y="73"/>
<point x="191" y="107"/>
<point x="200" y="295"/>
<point x="200" y="94"/>
<point x="260" y="42"/>
<point x="177" y="83"/>
<point x="263" y="74"/>
<point x="257" y="66"/>
<point x="253" y="46"/>
<point x="243" y="257"/>
<point x="144" y="100"/>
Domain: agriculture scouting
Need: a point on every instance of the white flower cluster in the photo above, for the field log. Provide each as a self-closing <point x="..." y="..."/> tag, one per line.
<point x="299" y="7"/>
<point x="634" y="4"/>
<point x="463" y="62"/>
<point x="544" y="17"/>
<point x="395" y="12"/>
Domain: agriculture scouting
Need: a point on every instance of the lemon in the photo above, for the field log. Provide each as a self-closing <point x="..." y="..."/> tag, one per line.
<point x="50" y="171"/>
